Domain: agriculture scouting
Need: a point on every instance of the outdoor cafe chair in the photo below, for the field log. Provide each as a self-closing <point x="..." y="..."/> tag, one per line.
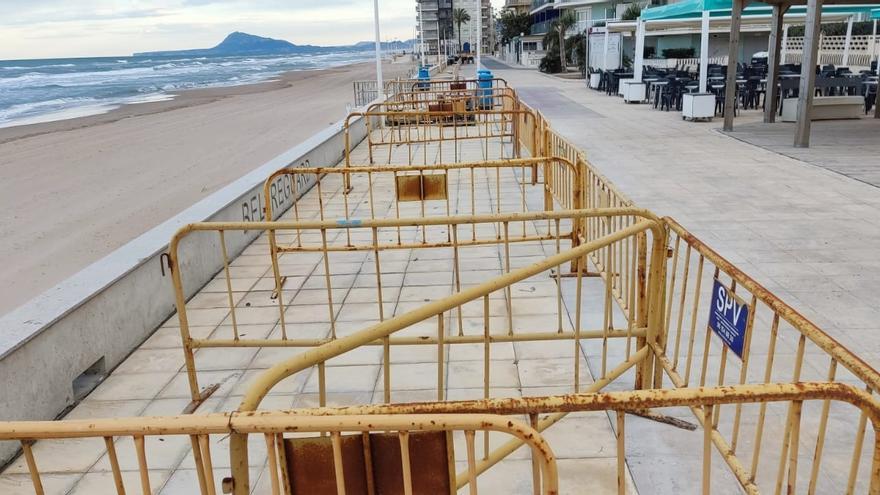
<point x="720" y="101"/>
<point x="670" y="95"/>
<point x="870" y="96"/>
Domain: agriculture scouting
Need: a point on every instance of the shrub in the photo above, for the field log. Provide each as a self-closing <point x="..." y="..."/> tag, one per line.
<point x="550" y="64"/>
<point x="632" y="12"/>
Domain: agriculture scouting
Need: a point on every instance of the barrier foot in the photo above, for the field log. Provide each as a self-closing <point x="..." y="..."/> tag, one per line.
<point x="584" y="273"/>
<point x="276" y="290"/>
<point x="203" y="396"/>
<point x="662" y="418"/>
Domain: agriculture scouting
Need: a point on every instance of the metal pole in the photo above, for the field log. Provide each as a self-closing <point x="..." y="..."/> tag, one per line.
<point x="704" y="51"/>
<point x="479" y="31"/>
<point x="873" y="44"/>
<point x="421" y="36"/>
<point x="605" y="55"/>
<point x="849" y="23"/>
<point x="380" y="87"/>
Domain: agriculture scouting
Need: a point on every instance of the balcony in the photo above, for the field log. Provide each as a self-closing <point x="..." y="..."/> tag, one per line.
<point x="541" y="27"/>
<point x="539" y="5"/>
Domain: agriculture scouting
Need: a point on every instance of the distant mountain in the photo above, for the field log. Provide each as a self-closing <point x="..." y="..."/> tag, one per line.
<point x="239" y="43"/>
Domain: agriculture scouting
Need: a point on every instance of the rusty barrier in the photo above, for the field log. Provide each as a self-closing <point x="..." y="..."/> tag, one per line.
<point x="354" y="454"/>
<point x="458" y="100"/>
<point x="425" y="190"/>
<point x="542" y="411"/>
<point x="477" y="300"/>
<point x="368" y="280"/>
<point x="446" y="85"/>
<point x="723" y="328"/>
<point x="424" y="137"/>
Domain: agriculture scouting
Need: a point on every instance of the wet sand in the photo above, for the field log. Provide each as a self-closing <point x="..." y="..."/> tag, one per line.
<point x="72" y="191"/>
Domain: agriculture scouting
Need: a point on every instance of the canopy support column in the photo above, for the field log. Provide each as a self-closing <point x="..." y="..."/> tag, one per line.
<point x="639" y="65"/>
<point x="808" y="73"/>
<point x="732" y="57"/>
<point x="849" y="23"/>
<point x="773" y="61"/>
<point x="704" y="51"/>
<point x="874" y="45"/>
<point x="605" y="51"/>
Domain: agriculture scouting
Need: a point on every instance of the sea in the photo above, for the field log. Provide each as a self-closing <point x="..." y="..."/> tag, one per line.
<point x="33" y="91"/>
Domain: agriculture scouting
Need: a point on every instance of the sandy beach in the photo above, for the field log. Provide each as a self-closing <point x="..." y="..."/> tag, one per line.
<point x="72" y="191"/>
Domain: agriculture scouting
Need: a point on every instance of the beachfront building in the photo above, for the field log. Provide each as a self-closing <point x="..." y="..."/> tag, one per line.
<point x="673" y="37"/>
<point x="469" y="30"/>
<point x="543" y="13"/>
<point x="434" y="26"/>
<point x="518" y="6"/>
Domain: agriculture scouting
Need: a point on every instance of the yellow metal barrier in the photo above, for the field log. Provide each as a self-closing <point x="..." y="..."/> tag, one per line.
<point x="289" y="457"/>
<point x="442" y="85"/>
<point x="418" y="137"/>
<point x="706" y="298"/>
<point x="502" y="230"/>
<point x="456" y="100"/>
<point x="482" y="293"/>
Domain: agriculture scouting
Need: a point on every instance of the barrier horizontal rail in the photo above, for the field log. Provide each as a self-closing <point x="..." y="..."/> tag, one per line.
<point x="208" y="432"/>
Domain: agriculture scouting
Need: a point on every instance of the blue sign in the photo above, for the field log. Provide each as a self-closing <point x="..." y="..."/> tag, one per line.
<point x="729" y="317"/>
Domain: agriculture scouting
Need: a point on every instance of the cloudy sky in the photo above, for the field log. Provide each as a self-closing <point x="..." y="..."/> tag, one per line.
<point x="81" y="28"/>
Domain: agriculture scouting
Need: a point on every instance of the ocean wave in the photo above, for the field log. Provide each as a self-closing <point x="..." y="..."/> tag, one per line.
<point x="48" y="88"/>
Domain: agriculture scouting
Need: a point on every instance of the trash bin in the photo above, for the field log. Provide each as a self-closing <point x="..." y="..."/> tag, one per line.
<point x="425" y="76"/>
<point x="484" y="82"/>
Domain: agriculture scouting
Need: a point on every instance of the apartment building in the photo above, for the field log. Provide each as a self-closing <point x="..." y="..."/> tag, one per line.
<point x="469" y="29"/>
<point x="434" y="25"/>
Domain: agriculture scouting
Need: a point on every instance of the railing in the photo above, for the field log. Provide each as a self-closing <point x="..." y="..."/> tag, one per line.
<point x="855" y="59"/>
<point x="682" y="63"/>
<point x="365" y="91"/>
<point x="387" y="452"/>
<point x="860" y="43"/>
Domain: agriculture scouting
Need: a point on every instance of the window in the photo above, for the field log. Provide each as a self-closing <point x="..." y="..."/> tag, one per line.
<point x="530" y="46"/>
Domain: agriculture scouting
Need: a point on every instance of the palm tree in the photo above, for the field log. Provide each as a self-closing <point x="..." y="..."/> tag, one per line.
<point x="565" y="22"/>
<point x="460" y="16"/>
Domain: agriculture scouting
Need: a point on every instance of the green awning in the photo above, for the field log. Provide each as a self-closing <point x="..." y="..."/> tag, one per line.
<point x="693" y="9"/>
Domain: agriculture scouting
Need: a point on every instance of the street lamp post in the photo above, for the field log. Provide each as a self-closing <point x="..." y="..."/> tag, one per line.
<point x="380" y="87"/>
<point x="479" y="31"/>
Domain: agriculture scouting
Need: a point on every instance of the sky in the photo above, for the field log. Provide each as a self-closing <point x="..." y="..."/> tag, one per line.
<point x="92" y="28"/>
